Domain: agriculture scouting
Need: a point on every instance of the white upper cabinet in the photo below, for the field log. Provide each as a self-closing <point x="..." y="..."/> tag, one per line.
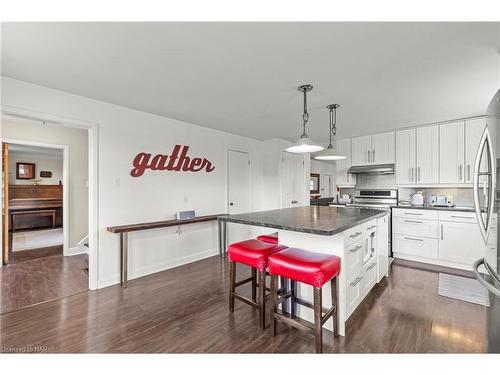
<point x="383" y="148"/>
<point x="361" y="150"/>
<point x="376" y="149"/>
<point x="343" y="178"/>
<point x="452" y="153"/>
<point x="405" y="156"/>
<point x="427" y="167"/>
<point x="473" y="130"/>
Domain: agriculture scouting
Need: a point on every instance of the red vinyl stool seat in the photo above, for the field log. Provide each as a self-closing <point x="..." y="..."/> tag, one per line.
<point x="252" y="253"/>
<point x="269" y="238"/>
<point x="307" y="267"/>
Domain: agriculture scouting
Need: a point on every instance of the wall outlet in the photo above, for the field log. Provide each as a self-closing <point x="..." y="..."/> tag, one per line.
<point x="116" y="181"/>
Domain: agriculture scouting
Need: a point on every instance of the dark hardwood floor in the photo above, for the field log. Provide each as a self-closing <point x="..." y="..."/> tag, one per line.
<point x="24" y="255"/>
<point x="185" y="310"/>
<point x="34" y="278"/>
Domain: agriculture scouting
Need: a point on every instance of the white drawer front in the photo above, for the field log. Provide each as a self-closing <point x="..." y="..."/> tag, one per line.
<point x="369" y="278"/>
<point x="353" y="235"/>
<point x="354" y="293"/>
<point x="417" y="246"/>
<point x="464" y="217"/>
<point x="354" y="256"/>
<point x="415" y="213"/>
<point x="415" y="227"/>
<point x="370" y="226"/>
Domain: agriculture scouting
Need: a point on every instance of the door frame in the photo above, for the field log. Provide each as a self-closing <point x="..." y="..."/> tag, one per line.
<point x="249" y="177"/>
<point x="93" y="170"/>
<point x="65" y="149"/>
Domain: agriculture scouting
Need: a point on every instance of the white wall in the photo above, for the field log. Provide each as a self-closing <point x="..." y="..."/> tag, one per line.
<point x="77" y="142"/>
<point x="323" y="167"/>
<point x="156" y="195"/>
<point x="41" y="164"/>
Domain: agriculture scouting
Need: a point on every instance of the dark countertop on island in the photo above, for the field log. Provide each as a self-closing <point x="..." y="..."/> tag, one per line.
<point x="321" y="220"/>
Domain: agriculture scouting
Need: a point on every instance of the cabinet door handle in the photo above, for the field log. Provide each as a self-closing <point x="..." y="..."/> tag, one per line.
<point x="373" y="156"/>
<point x="414" y="239"/>
<point x="368" y="151"/>
<point x="468" y="172"/>
<point x="355" y="249"/>
<point x="355" y="235"/>
<point x="442" y="232"/>
<point x="371" y="266"/>
<point x="356" y="281"/>
<point x="414" y="221"/>
<point x="412" y="178"/>
<point x="460" y="172"/>
<point x="418" y="173"/>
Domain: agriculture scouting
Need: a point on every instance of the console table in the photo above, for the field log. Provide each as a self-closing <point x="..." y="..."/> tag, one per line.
<point x="123" y="230"/>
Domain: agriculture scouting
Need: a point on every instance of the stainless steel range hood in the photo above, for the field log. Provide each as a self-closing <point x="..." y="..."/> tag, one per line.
<point x="372" y="169"/>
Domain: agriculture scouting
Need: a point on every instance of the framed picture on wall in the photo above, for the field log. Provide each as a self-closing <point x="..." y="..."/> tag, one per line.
<point x="25" y="171"/>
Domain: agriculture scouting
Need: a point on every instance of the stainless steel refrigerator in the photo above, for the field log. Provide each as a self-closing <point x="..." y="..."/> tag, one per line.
<point x="487" y="199"/>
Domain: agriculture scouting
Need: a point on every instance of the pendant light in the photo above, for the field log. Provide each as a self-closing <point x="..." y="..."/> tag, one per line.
<point x="330" y="153"/>
<point x="304" y="144"/>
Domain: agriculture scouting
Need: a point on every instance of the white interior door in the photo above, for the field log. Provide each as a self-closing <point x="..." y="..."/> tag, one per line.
<point x="299" y="181"/>
<point x="238" y="182"/>
<point x="238" y="192"/>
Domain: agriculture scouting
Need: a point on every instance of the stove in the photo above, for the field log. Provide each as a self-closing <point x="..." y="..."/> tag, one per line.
<point x="375" y="199"/>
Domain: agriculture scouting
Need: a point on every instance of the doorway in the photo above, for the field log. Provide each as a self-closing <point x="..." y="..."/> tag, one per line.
<point x="52" y="238"/>
<point x="238" y="191"/>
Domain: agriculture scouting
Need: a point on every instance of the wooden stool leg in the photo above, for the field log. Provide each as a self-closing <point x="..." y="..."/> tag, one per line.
<point x="284" y="289"/>
<point x="254" y="284"/>
<point x="333" y="285"/>
<point x="232" y="282"/>
<point x="274" y="295"/>
<point x="317" y="320"/>
<point x="262" y="299"/>
<point x="293" y="307"/>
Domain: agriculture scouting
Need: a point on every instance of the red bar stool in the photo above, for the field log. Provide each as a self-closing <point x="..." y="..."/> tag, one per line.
<point x="269" y="238"/>
<point x="253" y="253"/>
<point x="309" y="268"/>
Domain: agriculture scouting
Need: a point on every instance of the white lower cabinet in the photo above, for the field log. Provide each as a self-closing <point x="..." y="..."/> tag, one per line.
<point x="362" y="258"/>
<point x="453" y="240"/>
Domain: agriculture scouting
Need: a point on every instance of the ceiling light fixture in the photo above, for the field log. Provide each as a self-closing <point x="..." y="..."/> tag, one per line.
<point x="304" y="144"/>
<point x="330" y="153"/>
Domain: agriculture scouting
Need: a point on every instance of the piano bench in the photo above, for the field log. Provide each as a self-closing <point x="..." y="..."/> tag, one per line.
<point x="33" y="213"/>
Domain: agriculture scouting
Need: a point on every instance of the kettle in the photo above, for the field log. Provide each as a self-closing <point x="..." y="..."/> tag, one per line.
<point x="417" y="198"/>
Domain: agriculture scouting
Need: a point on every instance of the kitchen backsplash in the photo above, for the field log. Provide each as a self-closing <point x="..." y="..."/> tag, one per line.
<point x="463" y="196"/>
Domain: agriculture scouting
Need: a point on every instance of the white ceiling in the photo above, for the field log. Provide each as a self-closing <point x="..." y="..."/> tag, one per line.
<point x="44" y="152"/>
<point x="242" y="77"/>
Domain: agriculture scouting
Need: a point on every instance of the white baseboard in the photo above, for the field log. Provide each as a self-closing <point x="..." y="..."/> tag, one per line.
<point x="76" y="250"/>
<point x="154" y="268"/>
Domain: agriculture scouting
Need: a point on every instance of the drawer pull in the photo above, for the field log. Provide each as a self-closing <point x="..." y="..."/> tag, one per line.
<point x="371" y="266"/>
<point x="355" y="234"/>
<point x="356" y="281"/>
<point x="372" y="227"/>
<point x="414" y="239"/>
<point x="413" y="213"/>
<point x="356" y="249"/>
<point x="414" y="221"/>
<point x="462" y="217"/>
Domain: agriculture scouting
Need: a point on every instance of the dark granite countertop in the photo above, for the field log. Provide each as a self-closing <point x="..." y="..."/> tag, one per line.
<point x="321" y="220"/>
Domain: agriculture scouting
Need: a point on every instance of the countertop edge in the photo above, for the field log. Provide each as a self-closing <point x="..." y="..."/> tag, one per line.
<point x="302" y="230"/>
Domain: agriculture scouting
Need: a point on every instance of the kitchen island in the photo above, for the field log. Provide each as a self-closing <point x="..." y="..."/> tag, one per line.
<point x="359" y="237"/>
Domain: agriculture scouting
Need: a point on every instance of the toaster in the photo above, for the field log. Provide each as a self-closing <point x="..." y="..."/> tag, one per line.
<point x="442" y="200"/>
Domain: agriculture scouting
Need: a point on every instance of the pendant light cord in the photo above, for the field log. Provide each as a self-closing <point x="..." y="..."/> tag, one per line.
<point x="305" y="115"/>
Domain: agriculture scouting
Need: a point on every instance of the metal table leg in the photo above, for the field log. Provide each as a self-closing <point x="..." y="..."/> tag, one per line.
<point x="224" y="239"/>
<point x="124" y="258"/>
<point x="219" y="235"/>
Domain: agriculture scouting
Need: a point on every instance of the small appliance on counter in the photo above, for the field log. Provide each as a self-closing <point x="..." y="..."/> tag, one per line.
<point x="417" y="198"/>
<point x="344" y="199"/>
<point x="442" y="201"/>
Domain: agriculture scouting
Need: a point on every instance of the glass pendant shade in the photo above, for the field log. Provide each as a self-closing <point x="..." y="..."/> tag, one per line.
<point x="330" y="153"/>
<point x="304" y="145"/>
